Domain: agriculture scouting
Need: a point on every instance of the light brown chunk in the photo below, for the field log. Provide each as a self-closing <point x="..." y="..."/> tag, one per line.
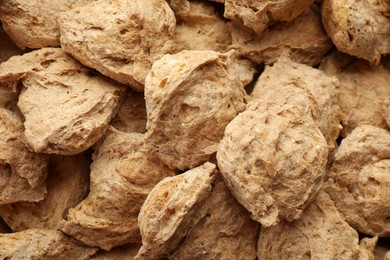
<point x="121" y="178"/>
<point x="22" y="173"/>
<point x="38" y="244"/>
<point x="67" y="185"/>
<point x="174" y="206"/>
<point x="125" y="252"/>
<point x="190" y="98"/>
<point x="7" y="47"/>
<point x="386" y="110"/>
<point x="121" y="39"/>
<point x="359" y="181"/>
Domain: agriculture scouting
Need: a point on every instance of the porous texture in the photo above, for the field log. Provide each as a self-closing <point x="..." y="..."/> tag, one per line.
<point x="359" y="181"/>
<point x="121" y="178"/>
<point x="386" y="110"/>
<point x="225" y="232"/>
<point x="121" y="39"/>
<point x="124" y="252"/>
<point x="276" y="167"/>
<point x="357" y="27"/>
<point x="38" y="244"/>
<point x="362" y="89"/>
<point x="7" y="47"/>
<point x="190" y="98"/>
<point x="258" y="15"/>
<point x="33" y="24"/>
<point x="172" y="209"/>
<point x="67" y="185"/>
<point x="22" y="173"/>
<point x="321" y="233"/>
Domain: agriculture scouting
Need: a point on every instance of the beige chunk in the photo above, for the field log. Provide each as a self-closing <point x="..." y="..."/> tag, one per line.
<point x="273" y="157"/>
<point x="121" y="39"/>
<point x="386" y="110"/>
<point x="258" y="15"/>
<point x="190" y="98"/>
<point x="362" y="88"/>
<point x="321" y="233"/>
<point x="7" y="47"/>
<point x="359" y="181"/>
<point x="172" y="208"/>
<point x="121" y="178"/>
<point x="37" y="244"/>
<point x="33" y="24"/>
<point x="357" y="27"/>
<point x="22" y="173"/>
<point x="225" y="232"/>
<point x="125" y="252"/>
<point x="67" y="185"/>
<point x="304" y="39"/>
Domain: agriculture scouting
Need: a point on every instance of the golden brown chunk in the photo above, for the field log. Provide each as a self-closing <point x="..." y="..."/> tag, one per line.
<point x="359" y="181"/>
<point x="121" y="39"/>
<point x="124" y="252"/>
<point x="67" y="185"/>
<point x="386" y="110"/>
<point x="7" y="47"/>
<point x="121" y="178"/>
<point x="190" y="98"/>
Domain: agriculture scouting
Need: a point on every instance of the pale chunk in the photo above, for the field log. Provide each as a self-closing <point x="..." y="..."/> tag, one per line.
<point x="22" y="173"/>
<point x="172" y="208"/>
<point x="190" y="98"/>
<point x="121" y="177"/>
<point x="121" y="39"/>
<point x="359" y="181"/>
<point x="67" y="185"/>
<point x="38" y="244"/>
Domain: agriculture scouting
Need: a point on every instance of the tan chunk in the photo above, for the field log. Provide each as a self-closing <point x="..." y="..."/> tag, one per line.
<point x="7" y="47"/>
<point x="37" y="244"/>
<point x="321" y="233"/>
<point x="121" y="178"/>
<point x="190" y="98"/>
<point x="258" y="15"/>
<point x="67" y="185"/>
<point x="357" y="27"/>
<point x="304" y="39"/>
<point x="125" y="252"/>
<point x="33" y="24"/>
<point x="359" y="181"/>
<point x="386" y="110"/>
<point x="273" y="157"/>
<point x="225" y="232"/>
<point x="22" y="173"/>
<point x="172" y="208"/>
<point x="121" y="39"/>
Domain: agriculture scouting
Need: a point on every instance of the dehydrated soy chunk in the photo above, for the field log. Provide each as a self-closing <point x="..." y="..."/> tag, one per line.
<point x="121" y="177"/>
<point x="190" y="98"/>
<point x="42" y="244"/>
<point x="121" y="39"/>
<point x="172" y="208"/>
<point x="359" y="181"/>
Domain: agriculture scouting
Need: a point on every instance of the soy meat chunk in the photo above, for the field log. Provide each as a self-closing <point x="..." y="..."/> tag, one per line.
<point x="225" y="232"/>
<point x="358" y="28"/>
<point x="42" y="244"/>
<point x="258" y="15"/>
<point x="172" y="208"/>
<point x="121" y="39"/>
<point x="124" y="252"/>
<point x="190" y="98"/>
<point x="33" y="24"/>
<point x="22" y="173"/>
<point x="359" y="181"/>
<point x="67" y="185"/>
<point x="386" y="110"/>
<point x="121" y="177"/>
<point x="273" y="157"/>
<point x="321" y="233"/>
<point x="7" y="47"/>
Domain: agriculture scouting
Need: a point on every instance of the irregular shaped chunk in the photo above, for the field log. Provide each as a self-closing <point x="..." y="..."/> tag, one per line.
<point x="190" y="98"/>
<point x="7" y="47"/>
<point x="321" y="233"/>
<point x="121" y="178"/>
<point x="121" y="39"/>
<point x="273" y="157"/>
<point x="125" y="252"/>
<point x="42" y="244"/>
<point x="22" y="173"/>
<point x="386" y="110"/>
<point x="359" y="181"/>
<point x="172" y="208"/>
<point x="357" y="27"/>
<point x="67" y="185"/>
<point x="33" y="24"/>
<point x="225" y="232"/>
